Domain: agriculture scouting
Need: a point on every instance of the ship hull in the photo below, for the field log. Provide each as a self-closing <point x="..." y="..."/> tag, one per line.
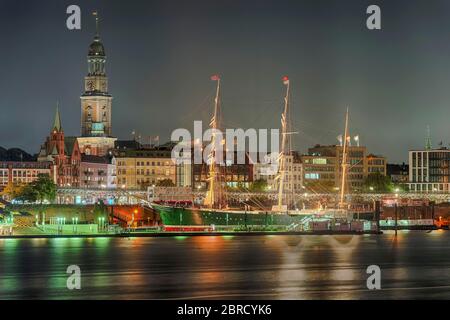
<point x="174" y="216"/>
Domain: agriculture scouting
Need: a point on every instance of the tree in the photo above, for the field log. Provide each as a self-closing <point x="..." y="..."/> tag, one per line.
<point x="376" y="182"/>
<point x="43" y="188"/>
<point x="165" y="183"/>
<point x="13" y="190"/>
<point x="28" y="194"/>
<point x="259" y="185"/>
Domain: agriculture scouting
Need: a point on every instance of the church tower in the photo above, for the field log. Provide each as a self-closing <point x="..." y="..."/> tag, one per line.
<point x="56" y="139"/>
<point x="96" y="132"/>
<point x="96" y="101"/>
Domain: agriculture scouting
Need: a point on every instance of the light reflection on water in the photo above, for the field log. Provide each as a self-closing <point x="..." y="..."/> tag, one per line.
<point x="414" y="265"/>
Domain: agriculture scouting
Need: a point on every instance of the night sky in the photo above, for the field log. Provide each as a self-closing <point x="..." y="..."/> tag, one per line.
<point x="160" y="55"/>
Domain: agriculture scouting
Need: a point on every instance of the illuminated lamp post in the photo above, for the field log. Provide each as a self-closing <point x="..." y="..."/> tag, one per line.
<point x="58" y="224"/>
<point x="101" y="223"/>
<point x="75" y="223"/>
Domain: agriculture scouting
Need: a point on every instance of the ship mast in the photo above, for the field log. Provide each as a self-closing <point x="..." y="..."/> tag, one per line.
<point x="214" y="195"/>
<point x="344" y="163"/>
<point x="282" y="156"/>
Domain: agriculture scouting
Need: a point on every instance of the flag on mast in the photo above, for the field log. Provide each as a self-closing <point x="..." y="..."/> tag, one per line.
<point x="215" y="77"/>
<point x="285" y="80"/>
<point x="339" y="138"/>
<point x="356" y="138"/>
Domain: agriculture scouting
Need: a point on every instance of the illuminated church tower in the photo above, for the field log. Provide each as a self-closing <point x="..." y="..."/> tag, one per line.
<point x="96" y="101"/>
<point x="96" y="132"/>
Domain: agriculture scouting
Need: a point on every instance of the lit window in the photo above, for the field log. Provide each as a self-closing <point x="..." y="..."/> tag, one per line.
<point x="320" y="161"/>
<point x="313" y="176"/>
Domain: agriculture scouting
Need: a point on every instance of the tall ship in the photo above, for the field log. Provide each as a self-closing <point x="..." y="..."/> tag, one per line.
<point x="215" y="210"/>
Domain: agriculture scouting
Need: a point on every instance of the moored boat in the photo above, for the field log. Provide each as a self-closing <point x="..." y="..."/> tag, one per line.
<point x="173" y="215"/>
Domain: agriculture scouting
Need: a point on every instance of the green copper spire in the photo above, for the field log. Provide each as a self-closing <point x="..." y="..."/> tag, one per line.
<point x="428" y="145"/>
<point x="96" y="48"/>
<point x="57" y="123"/>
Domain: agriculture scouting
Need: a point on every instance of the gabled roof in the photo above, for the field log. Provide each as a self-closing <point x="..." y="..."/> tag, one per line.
<point x="42" y="151"/>
<point x="54" y="151"/>
<point x="69" y="143"/>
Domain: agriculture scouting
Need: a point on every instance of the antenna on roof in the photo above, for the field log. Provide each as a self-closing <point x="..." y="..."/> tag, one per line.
<point x="428" y="145"/>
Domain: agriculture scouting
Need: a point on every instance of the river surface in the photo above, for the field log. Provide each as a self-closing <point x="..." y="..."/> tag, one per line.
<point x="413" y="265"/>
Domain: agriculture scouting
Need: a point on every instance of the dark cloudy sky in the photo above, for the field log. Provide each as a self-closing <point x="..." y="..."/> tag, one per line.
<point x="161" y="53"/>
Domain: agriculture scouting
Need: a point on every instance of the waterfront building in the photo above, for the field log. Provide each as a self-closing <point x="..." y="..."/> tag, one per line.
<point x="23" y="172"/>
<point x="97" y="172"/>
<point x="196" y="175"/>
<point x="429" y="170"/>
<point x="322" y="169"/>
<point x="376" y="164"/>
<point x="294" y="175"/>
<point x="233" y="174"/>
<point x="399" y="173"/>
<point x="139" y="168"/>
<point x="184" y="175"/>
<point x="184" y="167"/>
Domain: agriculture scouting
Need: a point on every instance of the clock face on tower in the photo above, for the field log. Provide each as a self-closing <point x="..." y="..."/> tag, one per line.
<point x="90" y="86"/>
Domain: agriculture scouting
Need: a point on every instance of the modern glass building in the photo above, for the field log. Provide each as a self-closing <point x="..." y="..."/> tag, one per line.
<point x="429" y="170"/>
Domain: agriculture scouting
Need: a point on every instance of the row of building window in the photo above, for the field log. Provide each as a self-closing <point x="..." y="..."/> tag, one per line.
<point x="22" y="173"/>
